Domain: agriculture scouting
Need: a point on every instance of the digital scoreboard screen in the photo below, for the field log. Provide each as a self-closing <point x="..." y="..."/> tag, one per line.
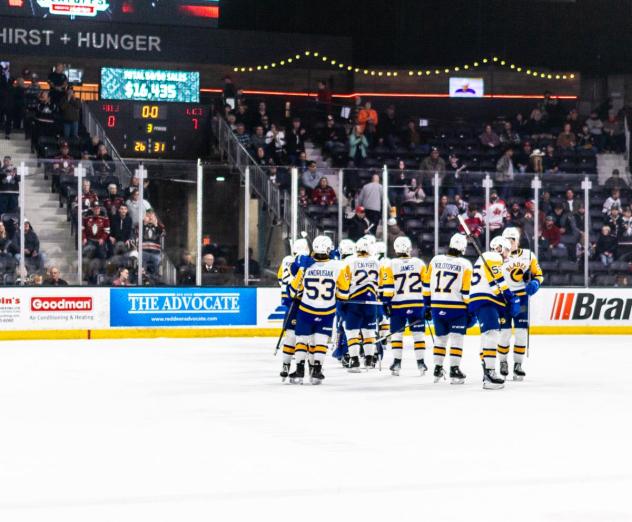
<point x="155" y="130"/>
<point x="171" y="12"/>
<point x="150" y="85"/>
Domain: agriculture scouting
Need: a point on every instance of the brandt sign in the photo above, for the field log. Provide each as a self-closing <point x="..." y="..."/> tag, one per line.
<point x="580" y="306"/>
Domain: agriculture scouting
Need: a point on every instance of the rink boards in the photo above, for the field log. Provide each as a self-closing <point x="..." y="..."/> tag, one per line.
<point x="64" y="313"/>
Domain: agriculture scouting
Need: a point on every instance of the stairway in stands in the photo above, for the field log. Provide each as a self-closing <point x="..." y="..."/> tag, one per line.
<point x="43" y="212"/>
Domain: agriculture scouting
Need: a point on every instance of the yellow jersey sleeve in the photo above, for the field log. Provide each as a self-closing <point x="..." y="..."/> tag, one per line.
<point x="296" y="286"/>
<point x="466" y="285"/>
<point x="387" y="282"/>
<point x="426" y="275"/>
<point x="343" y="283"/>
<point x="496" y="274"/>
<point x="536" y="271"/>
<point x="280" y="274"/>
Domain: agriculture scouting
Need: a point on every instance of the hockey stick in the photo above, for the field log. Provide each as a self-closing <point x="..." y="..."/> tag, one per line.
<point x="290" y="311"/>
<point x="431" y="334"/>
<point x="528" y="298"/>
<point x="414" y="323"/>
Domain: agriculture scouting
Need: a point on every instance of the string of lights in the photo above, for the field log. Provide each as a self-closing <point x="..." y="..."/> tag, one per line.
<point x="337" y="65"/>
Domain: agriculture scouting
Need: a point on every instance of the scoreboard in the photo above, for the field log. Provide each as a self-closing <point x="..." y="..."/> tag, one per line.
<point x="155" y="130"/>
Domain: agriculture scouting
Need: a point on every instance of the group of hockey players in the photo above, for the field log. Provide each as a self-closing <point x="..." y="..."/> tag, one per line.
<point x="357" y="299"/>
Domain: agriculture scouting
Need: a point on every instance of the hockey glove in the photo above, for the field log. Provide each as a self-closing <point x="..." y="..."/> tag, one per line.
<point x="514" y="307"/>
<point x="532" y="287"/>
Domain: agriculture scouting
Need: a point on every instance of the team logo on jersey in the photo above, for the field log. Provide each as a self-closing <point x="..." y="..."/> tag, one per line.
<point x="517" y="274"/>
<point x="74" y="7"/>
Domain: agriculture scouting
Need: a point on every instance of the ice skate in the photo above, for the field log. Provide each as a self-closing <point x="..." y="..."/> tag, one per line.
<point x="317" y="373"/>
<point x="504" y="369"/>
<point x="296" y="377"/>
<point x="396" y="367"/>
<point x="369" y="362"/>
<point x="439" y="374"/>
<point x="346" y="359"/>
<point x="518" y="373"/>
<point x="354" y="365"/>
<point x="421" y="366"/>
<point x="491" y="381"/>
<point x="285" y="371"/>
<point x="456" y="375"/>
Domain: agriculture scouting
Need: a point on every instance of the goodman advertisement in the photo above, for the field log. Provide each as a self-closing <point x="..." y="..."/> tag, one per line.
<point x="165" y="307"/>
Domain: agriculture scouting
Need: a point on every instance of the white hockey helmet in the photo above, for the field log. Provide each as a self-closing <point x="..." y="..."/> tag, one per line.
<point x="363" y="245"/>
<point x="380" y="248"/>
<point x="346" y="247"/>
<point x="371" y="239"/>
<point x="512" y="233"/>
<point x="402" y="245"/>
<point x="500" y="244"/>
<point x="458" y="242"/>
<point x="300" y="247"/>
<point x="322" y="245"/>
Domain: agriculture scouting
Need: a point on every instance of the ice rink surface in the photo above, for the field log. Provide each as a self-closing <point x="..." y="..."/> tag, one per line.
<point x="188" y="430"/>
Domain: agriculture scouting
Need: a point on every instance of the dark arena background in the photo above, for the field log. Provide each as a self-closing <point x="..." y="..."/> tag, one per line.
<point x="388" y="244"/>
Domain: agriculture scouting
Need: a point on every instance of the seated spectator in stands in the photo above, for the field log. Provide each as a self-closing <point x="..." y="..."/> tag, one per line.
<point x="121" y="228"/>
<point x="261" y="158"/>
<point x="113" y="200"/>
<point x="332" y="137"/>
<point x="367" y="115"/>
<point x="508" y="136"/>
<point x="153" y="232"/>
<point x="560" y="217"/>
<point x="515" y="218"/>
<point x="88" y="198"/>
<point x="613" y="200"/>
<point x="359" y="225"/>
<point x="573" y="120"/>
<point x="388" y="128"/>
<point x="520" y="125"/>
<point x="585" y="139"/>
<point x="33" y="258"/>
<point x="262" y="112"/>
<point x="616" y="182"/>
<point x="577" y="220"/>
<point x="549" y="161"/>
<point x="275" y="139"/>
<point x="566" y="139"/>
<point x="323" y="98"/>
<point x="413" y="193"/>
<point x="537" y="161"/>
<point x="208" y="262"/>
<point x="295" y="140"/>
<point x="411" y="137"/>
<point x="570" y="203"/>
<point x="265" y="123"/>
<point x="523" y="158"/>
<point x="242" y="115"/>
<point x="451" y="179"/>
<point x="606" y="247"/>
<point x="505" y="172"/>
<point x="70" y="112"/>
<point x="186" y="270"/>
<point x="302" y="162"/>
<point x="546" y="204"/>
<point x="58" y="83"/>
<point x="323" y="194"/>
<point x="9" y="186"/>
<point x="279" y="177"/>
<point x="625" y="230"/>
<point x="303" y="197"/>
<point x="448" y="213"/>
<point x="552" y="236"/>
<point x="134" y="207"/>
<point x="311" y="177"/>
<point x="358" y="146"/>
<point x="370" y="198"/>
<point x="489" y="139"/>
<point x="95" y="233"/>
<point x="231" y="121"/>
<point x="7" y="246"/>
<point x="595" y="127"/>
<point x="242" y="136"/>
<point x="63" y="164"/>
<point x="537" y="128"/>
<point x="614" y="220"/>
<point x="254" y="271"/>
<point x="495" y="213"/>
<point x="122" y="279"/>
<point x="614" y="134"/>
<point x="474" y="221"/>
<point x="258" y="139"/>
<point x="431" y="164"/>
<point x="461" y="204"/>
<point x="54" y="277"/>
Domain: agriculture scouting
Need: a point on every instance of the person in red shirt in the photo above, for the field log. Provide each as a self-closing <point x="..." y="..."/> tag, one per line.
<point x="95" y="232"/>
<point x="323" y="194"/>
<point x="474" y="221"/>
<point x="551" y="233"/>
<point x="323" y="97"/>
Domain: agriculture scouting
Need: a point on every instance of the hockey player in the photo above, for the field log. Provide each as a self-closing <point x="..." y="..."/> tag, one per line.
<point x="382" y="318"/>
<point x="489" y="297"/>
<point x="361" y="312"/>
<point x="446" y="294"/>
<point x="300" y="247"/>
<point x="346" y="249"/>
<point x="317" y="285"/>
<point x="524" y="277"/>
<point x="403" y="296"/>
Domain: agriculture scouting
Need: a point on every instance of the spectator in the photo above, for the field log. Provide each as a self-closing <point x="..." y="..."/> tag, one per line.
<point x="254" y="271"/>
<point x="516" y="216"/>
<point x="9" y="186"/>
<point x="95" y="233"/>
<point x="122" y="278"/>
<point x="121" y="227"/>
<point x="552" y="236"/>
<point x="262" y="112"/>
<point x="358" y="146"/>
<point x="520" y="125"/>
<point x="275" y="139"/>
<point x="323" y="194"/>
<point x="523" y="158"/>
<point x="571" y="203"/>
<point x="505" y="172"/>
<point x="16" y="106"/>
<point x="332" y="138"/>
<point x="303" y="198"/>
<point x="367" y="116"/>
<point x="242" y="115"/>
<point x="242" y="137"/>
<point x="8" y="248"/>
<point x="448" y="213"/>
<point x="398" y="184"/>
<point x="536" y="127"/>
<point x="58" y="82"/>
<point x="549" y="162"/>
<point x="258" y="139"/>
<point x="229" y="92"/>
<point x="323" y="98"/>
<point x="63" y="165"/>
<point x="359" y="224"/>
<point x="265" y="123"/>
<point x="54" y="277"/>
<point x="560" y="217"/>
<point x="301" y="162"/>
<point x="573" y="120"/>
<point x="70" y="111"/>
<point x="489" y="139"/>
<point x="613" y="200"/>
<point x="134" y="207"/>
<point x="577" y="221"/>
<point x="508" y="136"/>
<point x="413" y="193"/>
<point x="495" y="213"/>
<point x="88" y="198"/>
<point x="388" y="128"/>
<point x="616" y="182"/>
<point x="474" y="221"/>
<point x="461" y="204"/>
<point x="451" y="182"/>
<point x="625" y="230"/>
<point x="33" y="258"/>
<point x="585" y="139"/>
<point x="537" y="161"/>
<point x="113" y="200"/>
<point x="614" y="220"/>
<point x="614" y="137"/>
<point x="295" y="140"/>
<point x="279" y="177"/>
<point x="186" y="270"/>
<point x="311" y="177"/>
<point x="261" y="158"/>
<point x="567" y="139"/>
<point x="411" y="137"/>
<point x="153" y="233"/>
<point x="44" y="122"/>
<point x="370" y="198"/>
<point x="606" y="246"/>
<point x="432" y="164"/>
<point x="546" y="205"/>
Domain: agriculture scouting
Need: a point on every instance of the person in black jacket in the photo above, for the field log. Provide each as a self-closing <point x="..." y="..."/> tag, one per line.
<point x="295" y="140"/>
<point x="33" y="258"/>
<point x="9" y="186"/>
<point x="359" y="225"/>
<point x="54" y="278"/>
<point x="121" y="228"/>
